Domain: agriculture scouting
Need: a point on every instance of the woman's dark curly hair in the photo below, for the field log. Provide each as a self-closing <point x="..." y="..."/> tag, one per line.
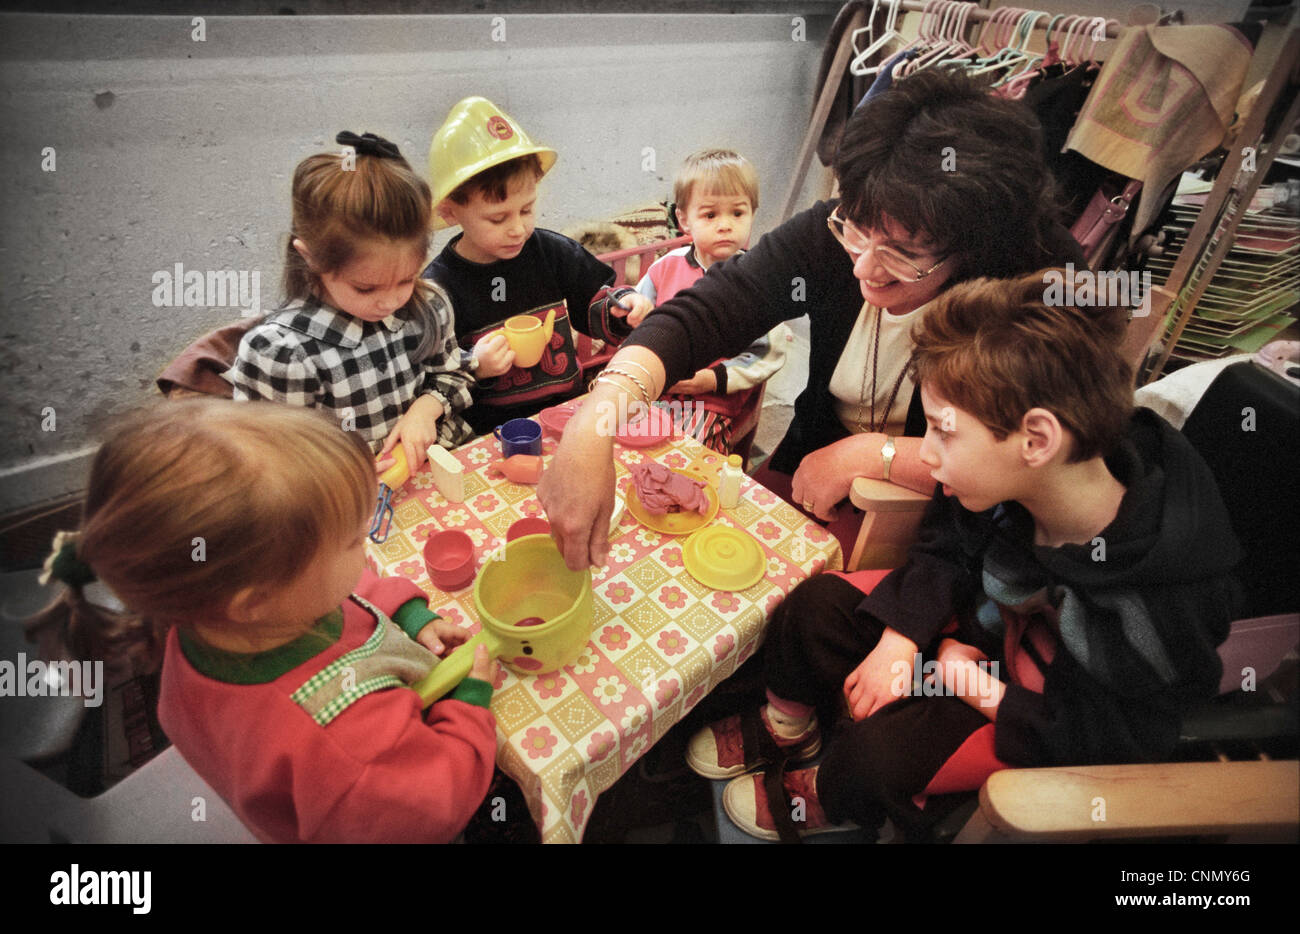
<point x="939" y="155"/>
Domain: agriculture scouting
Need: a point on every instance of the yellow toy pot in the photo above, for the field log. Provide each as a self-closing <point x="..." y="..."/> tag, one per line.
<point x="528" y="337"/>
<point x="535" y="612"/>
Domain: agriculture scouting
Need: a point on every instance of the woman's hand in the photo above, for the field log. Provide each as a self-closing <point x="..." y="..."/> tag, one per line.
<point x="825" y="476"/>
<point x="877" y="681"/>
<point x="416" y="430"/>
<point x="703" y="381"/>
<point x="494" y="355"/>
<point x="577" y="489"/>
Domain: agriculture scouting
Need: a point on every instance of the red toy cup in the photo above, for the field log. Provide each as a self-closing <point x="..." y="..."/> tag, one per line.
<point x="449" y="556"/>
<point x="532" y="525"/>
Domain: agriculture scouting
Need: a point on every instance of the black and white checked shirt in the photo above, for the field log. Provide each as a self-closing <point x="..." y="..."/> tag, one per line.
<point x="365" y="372"/>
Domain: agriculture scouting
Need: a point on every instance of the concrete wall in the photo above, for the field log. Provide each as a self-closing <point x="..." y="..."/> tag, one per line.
<point x="168" y="150"/>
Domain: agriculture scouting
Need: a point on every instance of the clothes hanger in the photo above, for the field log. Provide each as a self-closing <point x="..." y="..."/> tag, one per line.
<point x="981" y="45"/>
<point x="869" y="29"/>
<point x="952" y="46"/>
<point x="1021" y="54"/>
<point x="934" y="37"/>
<point x="962" y="50"/>
<point x="1071" y="50"/>
<point x="928" y="15"/>
<point x="1015" y="85"/>
<point x="1031" y="59"/>
<point x="1051" y="52"/>
<point x="1099" y="25"/>
<point x="858" y="66"/>
<point x="1002" y="25"/>
<point x="1013" y="53"/>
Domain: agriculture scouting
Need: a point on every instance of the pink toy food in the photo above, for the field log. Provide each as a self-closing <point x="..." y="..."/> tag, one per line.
<point x="662" y="491"/>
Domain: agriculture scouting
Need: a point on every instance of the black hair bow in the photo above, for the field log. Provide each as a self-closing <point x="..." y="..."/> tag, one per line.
<point x="368" y="144"/>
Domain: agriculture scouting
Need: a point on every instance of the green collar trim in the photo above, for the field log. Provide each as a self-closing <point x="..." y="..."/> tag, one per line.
<point x="261" y="667"/>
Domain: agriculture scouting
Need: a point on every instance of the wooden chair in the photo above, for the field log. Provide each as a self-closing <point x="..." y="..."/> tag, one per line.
<point x="594" y="354"/>
<point x="1230" y="800"/>
<point x="891" y="517"/>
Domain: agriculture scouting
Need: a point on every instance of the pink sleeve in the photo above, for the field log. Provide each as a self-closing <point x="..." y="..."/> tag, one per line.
<point x="423" y="781"/>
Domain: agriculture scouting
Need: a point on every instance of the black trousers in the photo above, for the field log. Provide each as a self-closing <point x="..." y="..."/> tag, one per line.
<point x="872" y="768"/>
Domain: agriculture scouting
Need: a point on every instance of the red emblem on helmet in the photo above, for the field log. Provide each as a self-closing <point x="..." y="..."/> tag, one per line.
<point x="500" y="127"/>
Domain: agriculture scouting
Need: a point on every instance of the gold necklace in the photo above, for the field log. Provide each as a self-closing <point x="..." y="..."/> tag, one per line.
<point x="893" y="393"/>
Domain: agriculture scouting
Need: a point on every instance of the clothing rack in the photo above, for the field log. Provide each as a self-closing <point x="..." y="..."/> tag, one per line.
<point x="1113" y="29"/>
<point x="844" y="55"/>
<point x="1212" y="235"/>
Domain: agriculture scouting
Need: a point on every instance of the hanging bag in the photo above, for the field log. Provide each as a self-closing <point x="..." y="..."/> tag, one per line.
<point x="1097" y="226"/>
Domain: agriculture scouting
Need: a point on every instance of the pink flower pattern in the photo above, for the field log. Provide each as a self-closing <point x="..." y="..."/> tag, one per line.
<point x="723" y="645"/>
<point x="579" y="809"/>
<point x="615" y="637"/>
<point x="673" y="557"/>
<point x="549" y="685"/>
<point x="485" y="502"/>
<point x="601" y="745"/>
<point x="815" y="533"/>
<point x="532" y="508"/>
<point x="725" y="601"/>
<point x="666" y="690"/>
<point x="619" y="592"/>
<point x="539" y="741"/>
<point x="672" y="597"/>
<point x="451" y="614"/>
<point x="411" y="569"/>
<point x="768" y="529"/>
<point x="672" y="642"/>
<point x="763" y="497"/>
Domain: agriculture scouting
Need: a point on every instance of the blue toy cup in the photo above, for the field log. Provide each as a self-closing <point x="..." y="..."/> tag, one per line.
<point x="519" y="436"/>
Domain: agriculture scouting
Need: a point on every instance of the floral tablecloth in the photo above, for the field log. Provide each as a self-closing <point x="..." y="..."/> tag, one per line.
<point x="660" y="640"/>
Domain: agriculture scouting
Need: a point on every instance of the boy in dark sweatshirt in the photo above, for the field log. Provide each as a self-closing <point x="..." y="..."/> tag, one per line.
<point x="1062" y="606"/>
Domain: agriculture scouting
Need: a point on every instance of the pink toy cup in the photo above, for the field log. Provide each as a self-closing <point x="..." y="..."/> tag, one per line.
<point x="449" y="557"/>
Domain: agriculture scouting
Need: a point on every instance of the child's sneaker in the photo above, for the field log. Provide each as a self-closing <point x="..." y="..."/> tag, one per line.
<point x="746" y="803"/>
<point x="721" y="750"/>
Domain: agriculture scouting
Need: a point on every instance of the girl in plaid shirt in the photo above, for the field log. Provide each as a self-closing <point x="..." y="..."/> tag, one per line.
<point x="360" y="334"/>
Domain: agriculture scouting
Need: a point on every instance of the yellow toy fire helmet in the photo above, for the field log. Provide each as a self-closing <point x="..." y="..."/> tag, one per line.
<point x="476" y="135"/>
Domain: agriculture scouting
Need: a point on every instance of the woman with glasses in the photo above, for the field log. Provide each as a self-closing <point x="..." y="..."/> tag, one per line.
<point x="940" y="182"/>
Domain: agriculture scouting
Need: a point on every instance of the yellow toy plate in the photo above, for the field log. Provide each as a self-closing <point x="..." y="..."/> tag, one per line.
<point x="673" y="523"/>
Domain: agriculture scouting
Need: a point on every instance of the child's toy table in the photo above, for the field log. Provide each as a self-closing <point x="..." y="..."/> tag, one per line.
<point x="660" y="640"/>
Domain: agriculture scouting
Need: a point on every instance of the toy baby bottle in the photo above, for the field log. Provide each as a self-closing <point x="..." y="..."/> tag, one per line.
<point x="729" y="482"/>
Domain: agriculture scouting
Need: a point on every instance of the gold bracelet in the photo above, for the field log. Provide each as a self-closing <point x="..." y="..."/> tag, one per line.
<point x="608" y="377"/>
<point x="640" y="385"/>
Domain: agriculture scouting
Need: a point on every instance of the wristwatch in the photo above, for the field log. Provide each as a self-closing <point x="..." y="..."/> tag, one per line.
<point x="887" y="454"/>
